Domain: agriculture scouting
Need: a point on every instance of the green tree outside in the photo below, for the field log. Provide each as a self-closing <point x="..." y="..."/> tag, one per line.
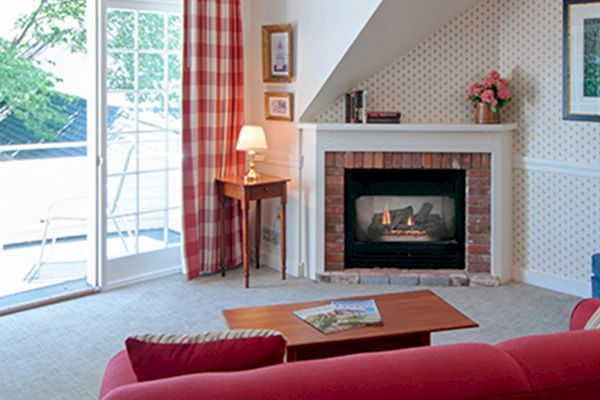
<point x="26" y="89"/>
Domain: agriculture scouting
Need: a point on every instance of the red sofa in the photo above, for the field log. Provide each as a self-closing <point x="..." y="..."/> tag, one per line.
<point x="553" y="366"/>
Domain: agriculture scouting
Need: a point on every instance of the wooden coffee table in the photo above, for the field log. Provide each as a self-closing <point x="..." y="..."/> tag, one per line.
<point x="408" y="321"/>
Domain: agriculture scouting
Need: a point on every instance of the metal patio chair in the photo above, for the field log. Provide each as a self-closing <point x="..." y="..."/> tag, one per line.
<point x="58" y="212"/>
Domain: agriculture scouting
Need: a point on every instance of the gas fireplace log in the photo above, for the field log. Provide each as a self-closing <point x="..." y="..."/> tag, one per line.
<point x="423" y="214"/>
<point x="376" y="230"/>
<point x="398" y="215"/>
<point x="433" y="226"/>
<point x="401" y="216"/>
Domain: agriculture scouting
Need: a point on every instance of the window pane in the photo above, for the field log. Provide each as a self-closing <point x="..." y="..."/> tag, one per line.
<point x="120" y="112"/>
<point x="151" y="31"/>
<point x="119" y="29"/>
<point x="121" y="195"/>
<point x="152" y="191"/>
<point x="175" y="188"/>
<point x="144" y="131"/>
<point x="152" y="235"/>
<point x="120" y="71"/>
<point x="174" y="72"/>
<point x="153" y="152"/>
<point x="174" y="150"/>
<point x="175" y="32"/>
<point x="174" y="227"/>
<point x="121" y="236"/>
<point x="174" y="114"/>
<point x="120" y="154"/>
<point x="151" y="73"/>
<point x="151" y="111"/>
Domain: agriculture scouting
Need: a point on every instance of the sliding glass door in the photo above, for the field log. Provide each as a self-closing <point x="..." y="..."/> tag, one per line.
<point x="90" y="135"/>
<point x="142" y="139"/>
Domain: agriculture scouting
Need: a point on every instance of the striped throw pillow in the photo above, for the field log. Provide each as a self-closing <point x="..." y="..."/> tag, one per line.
<point x="158" y="356"/>
<point x="594" y="321"/>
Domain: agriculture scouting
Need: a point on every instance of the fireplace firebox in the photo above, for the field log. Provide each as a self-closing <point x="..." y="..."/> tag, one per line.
<point x="405" y="218"/>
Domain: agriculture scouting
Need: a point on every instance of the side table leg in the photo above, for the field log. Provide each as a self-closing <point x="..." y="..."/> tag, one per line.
<point x="257" y="233"/>
<point x="245" y="242"/>
<point x="283" y="240"/>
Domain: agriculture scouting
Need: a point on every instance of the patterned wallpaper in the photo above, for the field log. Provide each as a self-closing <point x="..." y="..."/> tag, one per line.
<point x="556" y="217"/>
<point x="531" y="56"/>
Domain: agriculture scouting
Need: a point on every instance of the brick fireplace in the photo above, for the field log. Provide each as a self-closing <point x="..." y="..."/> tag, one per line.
<point x="477" y="201"/>
<point x="481" y="154"/>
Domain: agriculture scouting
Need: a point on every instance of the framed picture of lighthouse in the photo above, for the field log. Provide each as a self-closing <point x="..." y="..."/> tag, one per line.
<point x="278" y="53"/>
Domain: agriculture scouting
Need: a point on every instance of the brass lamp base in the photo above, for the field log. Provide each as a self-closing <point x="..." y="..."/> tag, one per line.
<point x="251" y="176"/>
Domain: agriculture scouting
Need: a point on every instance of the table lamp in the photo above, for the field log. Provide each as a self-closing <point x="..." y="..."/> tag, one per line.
<point x="251" y="138"/>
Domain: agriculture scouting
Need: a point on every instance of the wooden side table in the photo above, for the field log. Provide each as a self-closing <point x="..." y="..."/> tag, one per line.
<point x="266" y="187"/>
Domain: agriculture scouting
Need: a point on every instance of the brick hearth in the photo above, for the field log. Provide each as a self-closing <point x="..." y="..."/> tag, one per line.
<point x="477" y="200"/>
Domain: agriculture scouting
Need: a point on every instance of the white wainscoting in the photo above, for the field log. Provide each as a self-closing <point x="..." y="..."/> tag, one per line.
<point x="536" y="278"/>
<point x="557" y="167"/>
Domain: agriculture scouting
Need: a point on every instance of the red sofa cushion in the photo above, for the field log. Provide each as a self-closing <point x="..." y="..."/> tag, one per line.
<point x="163" y="356"/>
<point x="466" y="371"/>
<point x="544" y="358"/>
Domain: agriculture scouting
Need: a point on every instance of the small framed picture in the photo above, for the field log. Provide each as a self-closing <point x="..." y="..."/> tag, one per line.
<point x="279" y="106"/>
<point x="581" y="60"/>
<point x="277" y="53"/>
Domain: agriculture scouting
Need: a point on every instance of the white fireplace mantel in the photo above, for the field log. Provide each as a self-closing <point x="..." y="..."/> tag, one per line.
<point x="317" y="139"/>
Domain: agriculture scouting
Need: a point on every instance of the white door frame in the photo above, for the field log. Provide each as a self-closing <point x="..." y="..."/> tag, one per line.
<point x="95" y="128"/>
<point x="137" y="267"/>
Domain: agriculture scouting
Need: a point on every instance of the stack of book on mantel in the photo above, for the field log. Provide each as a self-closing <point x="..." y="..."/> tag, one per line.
<point x="341" y="315"/>
<point x="383" y="117"/>
<point x="356" y="107"/>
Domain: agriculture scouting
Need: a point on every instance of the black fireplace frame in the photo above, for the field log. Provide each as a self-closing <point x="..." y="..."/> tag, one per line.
<point x="404" y="182"/>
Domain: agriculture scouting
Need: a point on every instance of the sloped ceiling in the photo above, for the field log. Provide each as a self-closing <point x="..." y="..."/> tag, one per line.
<point x="394" y="29"/>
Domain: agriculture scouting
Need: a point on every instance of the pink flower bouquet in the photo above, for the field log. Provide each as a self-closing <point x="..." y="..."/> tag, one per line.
<point x="493" y="90"/>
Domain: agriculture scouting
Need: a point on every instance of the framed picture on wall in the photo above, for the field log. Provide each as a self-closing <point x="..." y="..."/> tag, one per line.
<point x="279" y="106"/>
<point x="277" y="53"/>
<point x="581" y="60"/>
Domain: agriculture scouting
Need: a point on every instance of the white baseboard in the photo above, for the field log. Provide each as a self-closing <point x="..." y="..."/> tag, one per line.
<point x="575" y="288"/>
<point x="143" y="277"/>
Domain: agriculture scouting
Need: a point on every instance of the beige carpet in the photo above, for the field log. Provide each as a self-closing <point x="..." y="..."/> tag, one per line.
<point x="60" y="351"/>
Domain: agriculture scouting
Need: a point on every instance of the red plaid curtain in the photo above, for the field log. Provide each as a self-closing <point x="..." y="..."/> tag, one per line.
<point x="213" y="111"/>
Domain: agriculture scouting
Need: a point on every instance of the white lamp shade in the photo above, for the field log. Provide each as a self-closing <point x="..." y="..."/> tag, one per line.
<point x="252" y="137"/>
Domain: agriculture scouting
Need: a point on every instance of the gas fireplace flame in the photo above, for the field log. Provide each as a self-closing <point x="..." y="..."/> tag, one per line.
<point x="410" y="221"/>
<point x="386" y="218"/>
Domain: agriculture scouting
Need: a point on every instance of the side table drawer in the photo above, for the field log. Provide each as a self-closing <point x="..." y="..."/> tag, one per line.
<point x="264" y="191"/>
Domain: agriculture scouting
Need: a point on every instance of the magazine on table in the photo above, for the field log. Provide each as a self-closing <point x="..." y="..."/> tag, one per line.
<point x="324" y="318"/>
<point x="341" y="315"/>
<point x="357" y="312"/>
